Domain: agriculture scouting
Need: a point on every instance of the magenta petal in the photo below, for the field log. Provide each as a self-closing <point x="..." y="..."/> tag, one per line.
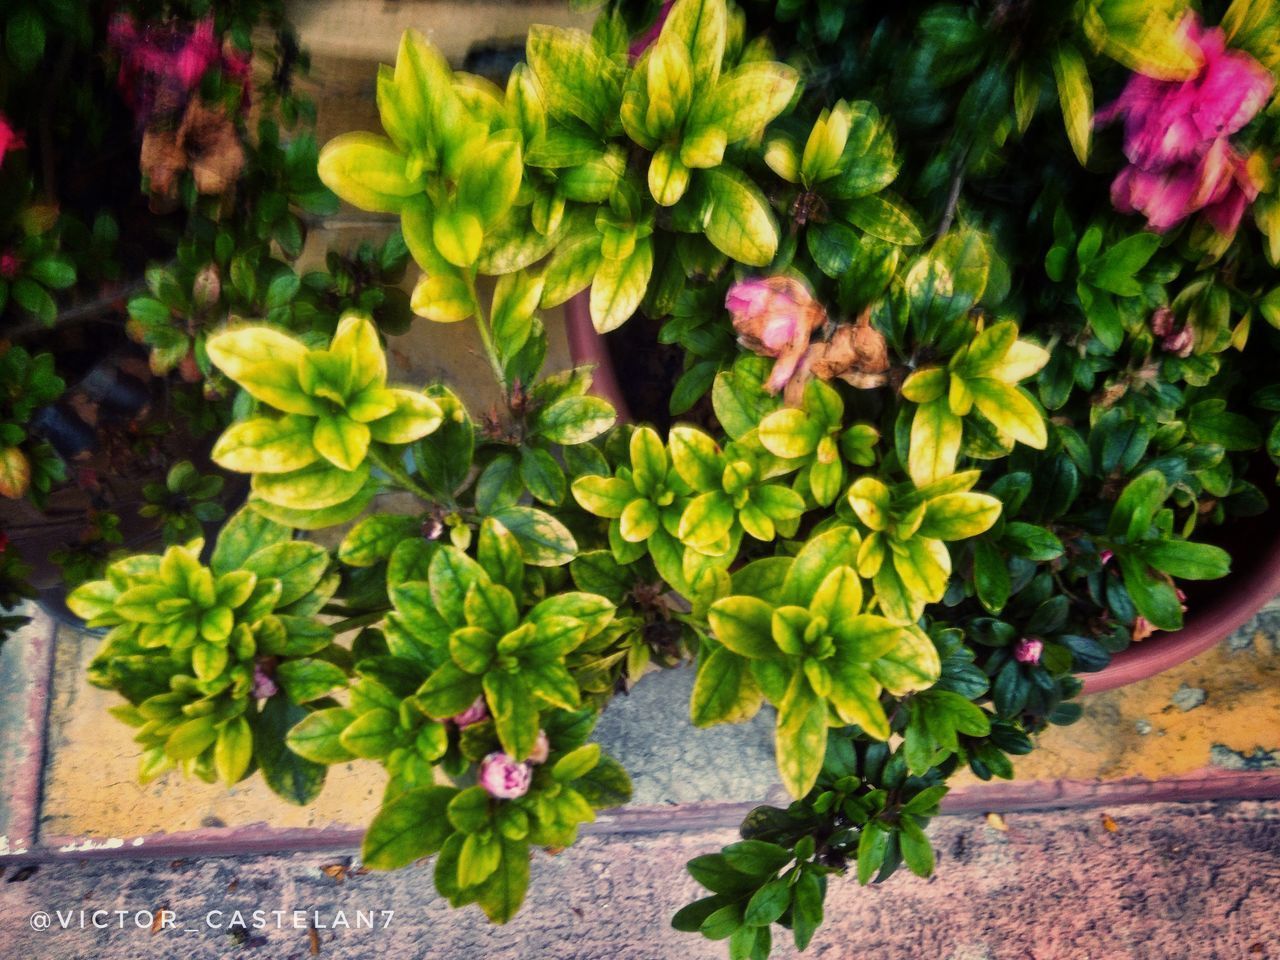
<point x="1232" y="91"/>
<point x="747" y="297"/>
<point x="1164" y="199"/>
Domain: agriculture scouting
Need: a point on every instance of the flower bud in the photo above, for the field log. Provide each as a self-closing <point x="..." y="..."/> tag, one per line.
<point x="541" y="748"/>
<point x="1028" y="650"/>
<point x="503" y="777"/>
<point x="473" y="714"/>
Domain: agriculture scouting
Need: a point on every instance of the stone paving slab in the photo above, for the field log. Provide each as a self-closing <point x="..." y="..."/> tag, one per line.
<point x="1172" y="882"/>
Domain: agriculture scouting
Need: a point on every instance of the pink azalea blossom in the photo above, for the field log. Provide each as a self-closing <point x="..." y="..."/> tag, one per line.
<point x="161" y="63"/>
<point x="10" y="139"/>
<point x="475" y="713"/>
<point x="504" y="777"/>
<point x="1176" y="137"/>
<point x="1028" y="650"/>
<point x="775" y="317"/>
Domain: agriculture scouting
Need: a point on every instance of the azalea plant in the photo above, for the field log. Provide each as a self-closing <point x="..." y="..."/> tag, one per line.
<point x="973" y="373"/>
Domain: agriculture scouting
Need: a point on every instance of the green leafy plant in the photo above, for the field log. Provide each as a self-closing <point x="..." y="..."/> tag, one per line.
<point x="942" y="450"/>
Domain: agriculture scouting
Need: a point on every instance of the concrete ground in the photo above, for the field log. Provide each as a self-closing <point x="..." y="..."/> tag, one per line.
<point x="1171" y="882"/>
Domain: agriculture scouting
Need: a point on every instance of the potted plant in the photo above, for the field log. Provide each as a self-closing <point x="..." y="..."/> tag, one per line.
<point x="951" y="429"/>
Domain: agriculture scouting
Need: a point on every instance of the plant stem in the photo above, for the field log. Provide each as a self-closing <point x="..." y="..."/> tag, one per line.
<point x="361" y="620"/>
<point x="486" y="335"/>
<point x="391" y="466"/>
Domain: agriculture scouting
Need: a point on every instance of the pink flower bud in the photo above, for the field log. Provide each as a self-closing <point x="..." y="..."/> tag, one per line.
<point x="9" y="264"/>
<point x="1028" y="650"/>
<point x="1105" y="557"/>
<point x="1162" y="321"/>
<point x="503" y="777"/>
<point x="473" y="714"/>
<point x="264" y="680"/>
<point x="1180" y="343"/>
<point x="541" y="748"/>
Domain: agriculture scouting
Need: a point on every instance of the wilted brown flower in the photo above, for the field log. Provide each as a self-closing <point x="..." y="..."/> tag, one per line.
<point x="206" y="143"/>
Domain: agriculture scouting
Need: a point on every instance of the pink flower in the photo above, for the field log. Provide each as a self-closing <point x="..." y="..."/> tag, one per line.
<point x="643" y="40"/>
<point x="1028" y="650"/>
<point x="9" y="264"/>
<point x="264" y="678"/>
<point x="503" y="777"/>
<point x="541" y="748"/>
<point x="161" y="63"/>
<point x="473" y="714"/>
<point x="1176" y="136"/>
<point x="1105" y="557"/>
<point x="775" y="317"/>
<point x="10" y="139"/>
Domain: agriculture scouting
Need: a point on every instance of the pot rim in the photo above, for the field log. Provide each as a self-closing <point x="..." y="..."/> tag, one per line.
<point x="1244" y="593"/>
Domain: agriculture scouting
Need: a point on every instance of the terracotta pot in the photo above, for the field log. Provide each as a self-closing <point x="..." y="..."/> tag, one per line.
<point x="1221" y="609"/>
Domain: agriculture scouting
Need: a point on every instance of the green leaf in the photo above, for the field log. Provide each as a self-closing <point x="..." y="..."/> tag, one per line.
<point x="576" y="763"/>
<point x="290" y="776"/>
<point x="372" y="735"/>
<point x="746" y="99"/>
<point x="502" y="894"/>
<point x="884" y="218"/>
<point x="790" y="433"/>
<point x="801" y="740"/>
<point x="306" y="680"/>
<point x="244" y="534"/>
<point x="1010" y="409"/>
<point x="745" y="626"/>
<point x="917" y="852"/>
<point x="1186" y="560"/>
<point x="936" y="433"/>
<point x="544" y="540"/>
<point x="619" y="286"/>
<point x="577" y="78"/>
<point x="264" y="445"/>
<point x="740" y="222"/>
<point x="768" y="903"/>
<point x="515" y="713"/>
<point x="368" y="171"/>
<point x="574" y="420"/>
<point x="266" y="363"/>
<point x="233" y="752"/>
<point x="414" y="416"/>
<point x="490" y="181"/>
<point x="411" y="826"/>
<point x="1075" y="94"/>
<point x="956" y="516"/>
<point x="1135" y="508"/>
<point x="297" y="564"/>
<point x="703" y="26"/>
<point x="372" y="539"/>
<point x="725" y="690"/>
<point x="317" y="736"/>
<point x="833" y="548"/>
